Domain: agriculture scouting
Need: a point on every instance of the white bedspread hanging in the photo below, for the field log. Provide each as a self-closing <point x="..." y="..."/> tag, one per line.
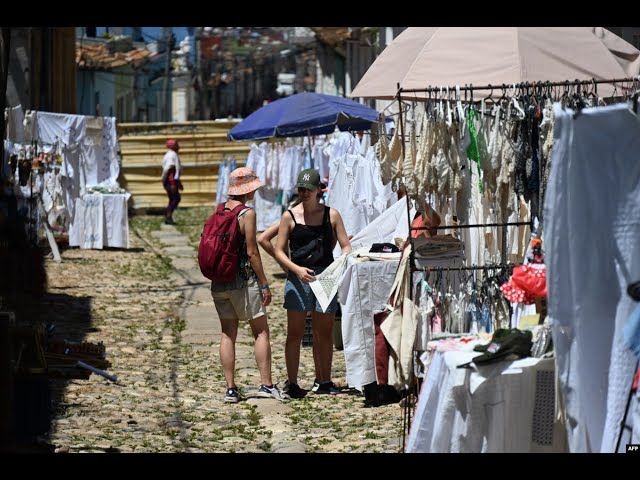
<point x="592" y="217"/>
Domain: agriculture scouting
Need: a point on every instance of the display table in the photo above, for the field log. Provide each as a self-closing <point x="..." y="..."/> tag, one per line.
<point x="364" y="290"/>
<point x="100" y="220"/>
<point x="503" y="406"/>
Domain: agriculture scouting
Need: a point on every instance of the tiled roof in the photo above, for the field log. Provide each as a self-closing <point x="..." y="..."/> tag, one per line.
<point x="332" y="36"/>
<point x="99" y="57"/>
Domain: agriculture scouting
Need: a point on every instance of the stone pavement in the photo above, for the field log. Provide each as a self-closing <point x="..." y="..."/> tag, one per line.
<point x="202" y="332"/>
<point x="151" y="308"/>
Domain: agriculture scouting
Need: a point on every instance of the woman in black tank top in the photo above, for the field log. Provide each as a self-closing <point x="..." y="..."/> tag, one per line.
<point x="312" y="245"/>
<point x="310" y="230"/>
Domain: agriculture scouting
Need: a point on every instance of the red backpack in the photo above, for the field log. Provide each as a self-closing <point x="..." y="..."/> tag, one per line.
<point x="219" y="250"/>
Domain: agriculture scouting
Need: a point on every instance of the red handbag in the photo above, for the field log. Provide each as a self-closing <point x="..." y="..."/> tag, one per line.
<point x="382" y="348"/>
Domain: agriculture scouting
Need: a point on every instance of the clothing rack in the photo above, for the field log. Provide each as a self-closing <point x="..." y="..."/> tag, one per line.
<point x="542" y="86"/>
<point x="407" y="410"/>
<point x="461" y="269"/>
<point x="477" y="225"/>
<point x="507" y="91"/>
<point x="519" y="86"/>
<point x="481" y="225"/>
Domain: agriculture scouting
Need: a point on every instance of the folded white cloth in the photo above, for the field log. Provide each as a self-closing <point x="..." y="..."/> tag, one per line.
<point x="326" y="284"/>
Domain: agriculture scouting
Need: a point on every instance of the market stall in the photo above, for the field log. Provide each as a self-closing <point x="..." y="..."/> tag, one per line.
<point x="479" y="150"/>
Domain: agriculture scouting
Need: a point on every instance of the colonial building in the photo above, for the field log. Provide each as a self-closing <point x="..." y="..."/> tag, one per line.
<point x="122" y="78"/>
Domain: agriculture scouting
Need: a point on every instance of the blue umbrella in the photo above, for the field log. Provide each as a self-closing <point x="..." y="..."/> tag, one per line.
<point x="304" y="114"/>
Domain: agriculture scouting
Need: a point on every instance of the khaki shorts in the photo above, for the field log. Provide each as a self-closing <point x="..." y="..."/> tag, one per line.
<point x="239" y="304"/>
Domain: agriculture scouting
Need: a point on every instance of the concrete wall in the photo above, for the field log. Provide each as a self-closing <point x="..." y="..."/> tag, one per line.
<point x="203" y="146"/>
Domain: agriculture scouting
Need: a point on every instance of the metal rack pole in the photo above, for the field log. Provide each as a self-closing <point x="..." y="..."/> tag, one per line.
<point x="476" y="225"/>
<point x="520" y="85"/>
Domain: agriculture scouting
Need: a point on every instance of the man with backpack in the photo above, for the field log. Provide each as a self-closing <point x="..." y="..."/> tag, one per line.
<point x="228" y="255"/>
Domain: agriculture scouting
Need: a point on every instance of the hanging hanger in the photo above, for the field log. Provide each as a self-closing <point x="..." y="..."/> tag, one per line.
<point x="459" y="104"/>
<point x="626" y="89"/>
<point x="464" y="110"/>
<point x="537" y="109"/>
<point x="521" y="112"/>
<point x="426" y="273"/>
<point x="546" y="91"/>
<point x="502" y="99"/>
<point x="490" y="96"/>
<point x="593" y="90"/>
<point x="449" y="120"/>
<point x="352" y="141"/>
<point x="470" y="95"/>
<point x="454" y="103"/>
<point x="530" y="95"/>
<point x="567" y="87"/>
<point x="460" y="278"/>
<point x="634" y="102"/>
<point x="513" y="90"/>
<point x="577" y="98"/>
<point x="427" y="102"/>
<point x="412" y="107"/>
<point x="415" y="105"/>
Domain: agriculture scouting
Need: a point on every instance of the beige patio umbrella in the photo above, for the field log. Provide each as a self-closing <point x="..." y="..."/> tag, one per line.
<point x="449" y="56"/>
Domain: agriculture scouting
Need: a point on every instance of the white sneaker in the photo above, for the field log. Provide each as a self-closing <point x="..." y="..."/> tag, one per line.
<point x="232" y="395"/>
<point x="272" y="392"/>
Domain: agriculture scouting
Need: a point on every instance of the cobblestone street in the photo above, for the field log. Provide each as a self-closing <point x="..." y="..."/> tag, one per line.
<point x="152" y="309"/>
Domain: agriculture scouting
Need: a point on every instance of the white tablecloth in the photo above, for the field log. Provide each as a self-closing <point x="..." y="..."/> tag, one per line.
<point x="499" y="407"/>
<point x="100" y="220"/>
<point x="364" y="291"/>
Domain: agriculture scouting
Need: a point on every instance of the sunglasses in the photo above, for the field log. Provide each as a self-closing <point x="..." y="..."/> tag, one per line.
<point x="302" y="190"/>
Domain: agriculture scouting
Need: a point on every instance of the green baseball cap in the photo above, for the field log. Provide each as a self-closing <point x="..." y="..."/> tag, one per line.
<point x="309" y="179"/>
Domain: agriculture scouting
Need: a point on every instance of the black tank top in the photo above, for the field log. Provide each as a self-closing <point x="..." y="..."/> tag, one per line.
<point x="302" y="235"/>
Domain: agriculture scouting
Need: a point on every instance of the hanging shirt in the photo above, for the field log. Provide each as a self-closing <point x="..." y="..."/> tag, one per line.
<point x="321" y="159"/>
<point x="226" y="167"/>
<point x="96" y="136"/>
<point x="257" y="160"/>
<point x="62" y="128"/>
<point x="592" y="216"/>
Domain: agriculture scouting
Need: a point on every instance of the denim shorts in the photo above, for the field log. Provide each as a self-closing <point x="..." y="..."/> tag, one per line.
<point x="299" y="297"/>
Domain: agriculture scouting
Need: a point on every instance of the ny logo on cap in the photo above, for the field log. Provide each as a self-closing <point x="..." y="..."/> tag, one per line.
<point x="306" y="177"/>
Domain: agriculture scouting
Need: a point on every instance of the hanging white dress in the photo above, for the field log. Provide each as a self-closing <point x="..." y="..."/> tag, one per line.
<point x="592" y="217"/>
